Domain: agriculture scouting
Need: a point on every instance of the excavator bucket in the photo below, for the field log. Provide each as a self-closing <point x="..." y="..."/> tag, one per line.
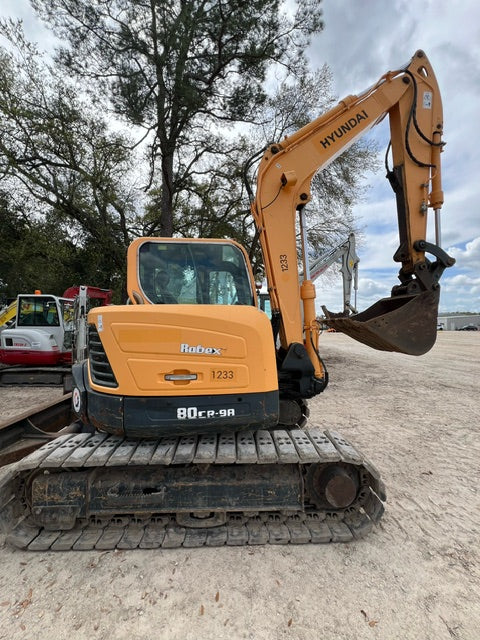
<point x="405" y="323"/>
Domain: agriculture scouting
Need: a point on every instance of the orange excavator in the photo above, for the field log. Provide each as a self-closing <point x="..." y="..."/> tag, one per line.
<point x="190" y="415"/>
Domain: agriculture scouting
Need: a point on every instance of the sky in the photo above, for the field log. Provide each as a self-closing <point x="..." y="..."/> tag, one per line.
<point x="363" y="39"/>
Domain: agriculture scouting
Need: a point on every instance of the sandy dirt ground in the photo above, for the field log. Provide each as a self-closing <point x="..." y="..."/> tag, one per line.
<point x="417" y="576"/>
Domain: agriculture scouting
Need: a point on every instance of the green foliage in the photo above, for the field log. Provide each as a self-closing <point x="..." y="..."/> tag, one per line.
<point x="180" y="70"/>
<point x="192" y="82"/>
<point x="61" y="167"/>
<point x="33" y="255"/>
<point x="38" y="254"/>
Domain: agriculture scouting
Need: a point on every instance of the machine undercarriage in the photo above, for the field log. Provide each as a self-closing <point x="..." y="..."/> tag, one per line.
<point x="95" y="491"/>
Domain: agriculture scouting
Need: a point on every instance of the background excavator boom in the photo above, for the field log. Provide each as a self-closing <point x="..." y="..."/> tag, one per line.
<point x="349" y="268"/>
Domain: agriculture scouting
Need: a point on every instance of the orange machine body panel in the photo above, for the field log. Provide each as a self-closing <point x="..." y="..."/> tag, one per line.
<point x="224" y="349"/>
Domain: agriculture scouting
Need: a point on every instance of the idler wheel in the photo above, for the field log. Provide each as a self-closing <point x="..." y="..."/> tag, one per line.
<point x="333" y="486"/>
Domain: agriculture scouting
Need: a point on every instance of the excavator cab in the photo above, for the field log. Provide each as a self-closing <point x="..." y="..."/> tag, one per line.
<point x="191" y="352"/>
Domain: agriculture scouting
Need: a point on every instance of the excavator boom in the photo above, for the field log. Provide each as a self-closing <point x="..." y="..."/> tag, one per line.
<point x="411" y="99"/>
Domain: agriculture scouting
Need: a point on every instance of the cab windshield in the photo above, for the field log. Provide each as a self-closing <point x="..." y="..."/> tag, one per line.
<point x="35" y="311"/>
<point x="194" y="273"/>
<point x="43" y="311"/>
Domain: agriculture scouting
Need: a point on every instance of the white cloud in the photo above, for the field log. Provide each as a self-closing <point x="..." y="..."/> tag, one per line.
<point x="462" y="293"/>
<point x="371" y="290"/>
<point x="468" y="258"/>
<point x="464" y="284"/>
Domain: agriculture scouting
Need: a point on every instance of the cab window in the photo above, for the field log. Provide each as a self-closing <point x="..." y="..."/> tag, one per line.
<point x="194" y="273"/>
<point x="38" y="312"/>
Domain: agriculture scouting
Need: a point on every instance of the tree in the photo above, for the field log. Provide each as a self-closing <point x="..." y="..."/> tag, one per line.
<point x="216" y="204"/>
<point x="35" y="253"/>
<point x="59" y="159"/>
<point x="180" y="70"/>
<point x="185" y="83"/>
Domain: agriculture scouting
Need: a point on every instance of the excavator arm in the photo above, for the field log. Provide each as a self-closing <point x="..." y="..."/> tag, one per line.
<point x="406" y="322"/>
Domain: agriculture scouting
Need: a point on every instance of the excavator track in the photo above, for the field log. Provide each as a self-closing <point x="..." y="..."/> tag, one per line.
<point x="94" y="491"/>
<point x="35" y="376"/>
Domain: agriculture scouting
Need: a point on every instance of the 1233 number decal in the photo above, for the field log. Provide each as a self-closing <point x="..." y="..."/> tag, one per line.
<point x="283" y="262"/>
<point x="222" y="374"/>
